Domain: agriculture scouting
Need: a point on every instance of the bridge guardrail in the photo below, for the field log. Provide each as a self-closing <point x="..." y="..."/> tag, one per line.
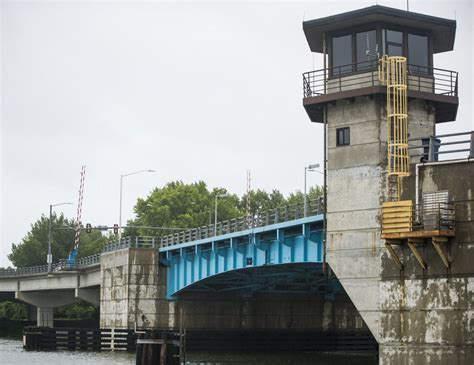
<point x="277" y="215"/>
<point x="55" y="267"/>
<point x="273" y="216"/>
<point x="137" y="242"/>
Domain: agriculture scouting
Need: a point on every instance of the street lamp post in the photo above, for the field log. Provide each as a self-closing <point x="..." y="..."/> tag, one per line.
<point x="49" y="256"/>
<point x="305" y="197"/>
<point x="215" y="211"/>
<point x="121" y="184"/>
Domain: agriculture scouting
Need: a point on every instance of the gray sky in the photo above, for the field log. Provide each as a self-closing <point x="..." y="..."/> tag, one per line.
<point x="196" y="91"/>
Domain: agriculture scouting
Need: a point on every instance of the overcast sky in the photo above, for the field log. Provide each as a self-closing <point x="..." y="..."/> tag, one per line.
<point x="195" y="91"/>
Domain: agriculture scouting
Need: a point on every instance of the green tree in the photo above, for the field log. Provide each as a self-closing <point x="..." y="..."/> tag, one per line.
<point x="32" y="250"/>
<point x="79" y="310"/>
<point x="180" y="205"/>
<point x="314" y="193"/>
<point x="261" y="201"/>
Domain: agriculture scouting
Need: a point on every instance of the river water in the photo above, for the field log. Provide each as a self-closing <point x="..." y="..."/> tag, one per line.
<point x="11" y="352"/>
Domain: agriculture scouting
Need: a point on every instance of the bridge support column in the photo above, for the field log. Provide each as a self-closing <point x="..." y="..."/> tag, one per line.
<point x="32" y="313"/>
<point x="45" y="301"/>
<point x="44" y="316"/>
<point x="133" y="291"/>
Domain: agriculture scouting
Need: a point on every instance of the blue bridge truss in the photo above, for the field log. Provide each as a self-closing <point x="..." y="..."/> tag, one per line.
<point x="280" y="257"/>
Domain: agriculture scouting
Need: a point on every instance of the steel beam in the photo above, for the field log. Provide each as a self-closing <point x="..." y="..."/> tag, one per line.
<point x="393" y="254"/>
<point x="411" y="243"/>
<point x="437" y="241"/>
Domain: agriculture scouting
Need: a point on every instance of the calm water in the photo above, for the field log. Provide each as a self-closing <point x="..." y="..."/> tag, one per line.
<point x="11" y="352"/>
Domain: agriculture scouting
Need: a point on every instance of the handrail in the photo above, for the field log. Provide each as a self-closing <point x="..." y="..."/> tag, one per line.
<point x="273" y="216"/>
<point x="365" y="74"/>
<point x="434" y="216"/>
<point x="430" y="148"/>
<point x="82" y="263"/>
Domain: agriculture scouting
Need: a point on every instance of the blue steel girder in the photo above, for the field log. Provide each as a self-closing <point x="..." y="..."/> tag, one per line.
<point x="286" y="278"/>
<point x="293" y="242"/>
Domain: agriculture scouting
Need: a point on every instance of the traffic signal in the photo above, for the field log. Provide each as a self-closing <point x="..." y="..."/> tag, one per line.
<point x="88" y="228"/>
<point x="116" y="228"/>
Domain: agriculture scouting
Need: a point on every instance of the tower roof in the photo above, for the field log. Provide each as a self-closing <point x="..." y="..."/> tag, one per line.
<point x="442" y="30"/>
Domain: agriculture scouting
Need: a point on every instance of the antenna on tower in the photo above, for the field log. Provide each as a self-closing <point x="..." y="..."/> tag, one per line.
<point x="71" y="260"/>
<point x="247" y="203"/>
<point x="250" y="216"/>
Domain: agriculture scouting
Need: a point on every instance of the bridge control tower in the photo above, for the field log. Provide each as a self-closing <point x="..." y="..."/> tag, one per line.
<point x="391" y="210"/>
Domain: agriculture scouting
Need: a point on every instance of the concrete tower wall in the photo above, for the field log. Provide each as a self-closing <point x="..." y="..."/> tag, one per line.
<point x="356" y="189"/>
<point x="427" y="316"/>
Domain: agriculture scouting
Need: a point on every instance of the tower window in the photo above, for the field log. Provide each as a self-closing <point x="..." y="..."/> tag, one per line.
<point x="366" y="49"/>
<point x="342" y="54"/>
<point x="343" y="136"/>
<point x="394" y="43"/>
<point x="418" y="53"/>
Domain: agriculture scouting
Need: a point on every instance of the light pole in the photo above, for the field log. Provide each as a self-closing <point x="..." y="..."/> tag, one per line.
<point x="121" y="183"/>
<point x="305" y="197"/>
<point x="215" y="211"/>
<point x="49" y="256"/>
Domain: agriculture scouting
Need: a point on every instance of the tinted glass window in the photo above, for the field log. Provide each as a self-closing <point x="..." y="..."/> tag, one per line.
<point x="365" y="41"/>
<point x="394" y="50"/>
<point x="418" y="53"/>
<point x="342" y="54"/>
<point x="393" y="43"/>
<point x="394" y="36"/>
<point x="343" y="136"/>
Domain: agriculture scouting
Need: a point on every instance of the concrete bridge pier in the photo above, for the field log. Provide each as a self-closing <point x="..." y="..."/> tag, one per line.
<point x="45" y="302"/>
<point x="44" y="317"/>
<point x="131" y="292"/>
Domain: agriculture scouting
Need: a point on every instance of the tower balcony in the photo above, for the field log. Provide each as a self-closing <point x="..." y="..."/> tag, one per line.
<point x="414" y="224"/>
<point x="321" y="87"/>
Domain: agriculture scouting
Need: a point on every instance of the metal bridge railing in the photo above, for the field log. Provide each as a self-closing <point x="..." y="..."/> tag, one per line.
<point x="443" y="147"/>
<point x="278" y="215"/>
<point x="136" y="242"/>
<point x="365" y="74"/>
<point x="82" y="263"/>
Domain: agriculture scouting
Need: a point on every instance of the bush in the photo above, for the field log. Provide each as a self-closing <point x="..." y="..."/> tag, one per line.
<point x="77" y="311"/>
<point x="13" y="310"/>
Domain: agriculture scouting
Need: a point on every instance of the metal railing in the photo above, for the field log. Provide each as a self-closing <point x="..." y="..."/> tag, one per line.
<point x="273" y="216"/>
<point x="434" y="216"/>
<point x="136" y="242"/>
<point x="24" y="270"/>
<point x="278" y="215"/>
<point x="82" y="263"/>
<point x="434" y="148"/>
<point x="365" y="74"/>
